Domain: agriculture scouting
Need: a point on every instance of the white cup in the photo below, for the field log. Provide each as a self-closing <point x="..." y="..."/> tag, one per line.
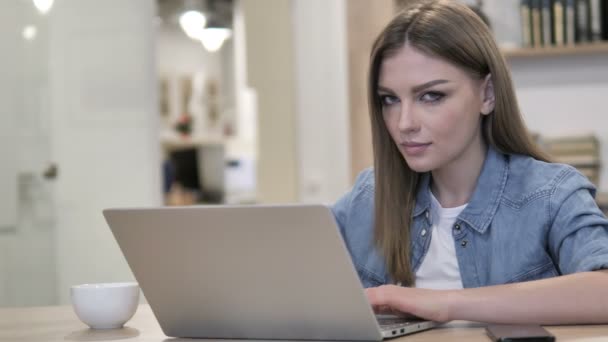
<point x="106" y="305"/>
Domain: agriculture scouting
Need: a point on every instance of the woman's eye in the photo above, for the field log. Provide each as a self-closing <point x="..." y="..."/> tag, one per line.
<point x="431" y="97"/>
<point x="388" y="100"/>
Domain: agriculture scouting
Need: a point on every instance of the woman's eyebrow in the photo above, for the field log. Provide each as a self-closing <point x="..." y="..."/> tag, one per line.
<point x="384" y="89"/>
<point x="415" y="89"/>
<point x="429" y="84"/>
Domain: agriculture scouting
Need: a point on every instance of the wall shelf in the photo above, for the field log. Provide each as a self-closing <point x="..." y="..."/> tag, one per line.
<point x="540" y="52"/>
<point x="172" y="142"/>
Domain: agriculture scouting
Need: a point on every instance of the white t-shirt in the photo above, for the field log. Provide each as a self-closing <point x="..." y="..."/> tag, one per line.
<point x="439" y="269"/>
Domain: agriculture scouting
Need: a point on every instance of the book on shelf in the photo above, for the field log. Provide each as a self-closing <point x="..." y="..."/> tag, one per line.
<point x="526" y="24"/>
<point x="577" y="160"/>
<point x="580" y="138"/>
<point x="596" y="19"/>
<point x="569" y="149"/>
<point x="536" y="23"/>
<point x="546" y="23"/>
<point x="580" y="144"/>
<point x="604" y="10"/>
<point x="583" y="18"/>
<point x="592" y="173"/>
<point x="546" y="19"/>
<point x="559" y="22"/>
<point x="602" y="200"/>
<point x="570" y="14"/>
<point x="581" y="151"/>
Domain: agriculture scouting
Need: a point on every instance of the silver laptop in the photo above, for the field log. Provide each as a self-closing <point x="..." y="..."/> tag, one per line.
<point x="256" y="272"/>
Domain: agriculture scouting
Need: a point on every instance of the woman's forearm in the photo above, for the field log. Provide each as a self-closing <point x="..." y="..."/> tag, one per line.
<point x="571" y="299"/>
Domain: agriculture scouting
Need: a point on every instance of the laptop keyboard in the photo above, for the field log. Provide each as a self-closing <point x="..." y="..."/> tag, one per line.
<point x="394" y="323"/>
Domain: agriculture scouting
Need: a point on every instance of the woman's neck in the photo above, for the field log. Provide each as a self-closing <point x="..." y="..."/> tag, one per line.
<point x="454" y="184"/>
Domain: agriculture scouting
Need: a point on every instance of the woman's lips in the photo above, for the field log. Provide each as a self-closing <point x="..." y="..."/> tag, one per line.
<point x="414" y="148"/>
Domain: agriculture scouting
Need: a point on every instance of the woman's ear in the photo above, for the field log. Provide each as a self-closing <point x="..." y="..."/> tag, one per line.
<point x="489" y="99"/>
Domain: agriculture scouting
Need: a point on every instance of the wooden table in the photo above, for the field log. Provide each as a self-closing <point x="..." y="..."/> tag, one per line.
<point x="59" y="323"/>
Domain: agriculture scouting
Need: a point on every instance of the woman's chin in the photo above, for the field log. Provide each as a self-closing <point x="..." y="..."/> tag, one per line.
<point x="419" y="166"/>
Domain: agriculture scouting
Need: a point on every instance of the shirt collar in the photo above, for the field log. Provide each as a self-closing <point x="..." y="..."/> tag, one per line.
<point x="485" y="200"/>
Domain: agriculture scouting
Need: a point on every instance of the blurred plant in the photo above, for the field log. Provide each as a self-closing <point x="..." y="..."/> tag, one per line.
<point x="184" y="124"/>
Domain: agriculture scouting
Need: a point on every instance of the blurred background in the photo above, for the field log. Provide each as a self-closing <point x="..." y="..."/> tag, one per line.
<point x="178" y="102"/>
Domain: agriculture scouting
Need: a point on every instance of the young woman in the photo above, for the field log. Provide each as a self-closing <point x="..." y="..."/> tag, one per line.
<point x="463" y="217"/>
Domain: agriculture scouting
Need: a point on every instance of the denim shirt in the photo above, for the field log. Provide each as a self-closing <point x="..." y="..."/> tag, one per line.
<point x="526" y="220"/>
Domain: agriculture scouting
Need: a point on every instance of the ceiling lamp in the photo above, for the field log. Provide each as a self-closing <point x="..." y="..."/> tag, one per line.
<point x="214" y="37"/>
<point x="43" y="6"/>
<point x="29" y="32"/>
<point x="193" y="24"/>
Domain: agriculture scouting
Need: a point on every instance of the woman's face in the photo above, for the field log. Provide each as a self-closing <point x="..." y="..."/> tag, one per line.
<point x="432" y="109"/>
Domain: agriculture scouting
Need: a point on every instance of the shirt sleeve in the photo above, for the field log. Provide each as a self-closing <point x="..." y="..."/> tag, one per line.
<point x="341" y="209"/>
<point x="578" y="235"/>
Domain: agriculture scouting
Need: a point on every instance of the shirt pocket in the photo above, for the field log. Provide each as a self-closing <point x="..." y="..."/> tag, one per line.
<point x="544" y="270"/>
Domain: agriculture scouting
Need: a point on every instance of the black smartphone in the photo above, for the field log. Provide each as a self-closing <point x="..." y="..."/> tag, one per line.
<point x="518" y="333"/>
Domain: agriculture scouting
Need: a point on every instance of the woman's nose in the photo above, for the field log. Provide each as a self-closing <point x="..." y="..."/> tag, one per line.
<point x="407" y="119"/>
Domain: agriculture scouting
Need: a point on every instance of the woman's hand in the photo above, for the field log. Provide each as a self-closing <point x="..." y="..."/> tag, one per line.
<point x="403" y="301"/>
<point x="580" y="298"/>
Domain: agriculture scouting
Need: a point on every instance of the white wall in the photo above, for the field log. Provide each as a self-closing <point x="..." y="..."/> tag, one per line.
<point x="228" y="77"/>
<point x="271" y="73"/>
<point x="27" y="250"/>
<point x="558" y="95"/>
<point x="104" y="132"/>
<point x="565" y="95"/>
<point x="297" y="65"/>
<point x="10" y="21"/>
<point x="321" y="99"/>
<point x="245" y="106"/>
<point x="505" y="21"/>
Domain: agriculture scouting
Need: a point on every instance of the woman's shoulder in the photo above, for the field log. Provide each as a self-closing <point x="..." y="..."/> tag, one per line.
<point x="362" y="192"/>
<point x="531" y="177"/>
<point x="360" y="195"/>
<point x="365" y="180"/>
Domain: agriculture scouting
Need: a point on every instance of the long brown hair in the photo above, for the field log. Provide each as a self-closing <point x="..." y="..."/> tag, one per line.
<point x="451" y="31"/>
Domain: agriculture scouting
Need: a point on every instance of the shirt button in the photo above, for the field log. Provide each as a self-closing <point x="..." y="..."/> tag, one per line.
<point x="464" y="243"/>
<point x="423" y="233"/>
<point x="457" y="227"/>
<point x="426" y="214"/>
